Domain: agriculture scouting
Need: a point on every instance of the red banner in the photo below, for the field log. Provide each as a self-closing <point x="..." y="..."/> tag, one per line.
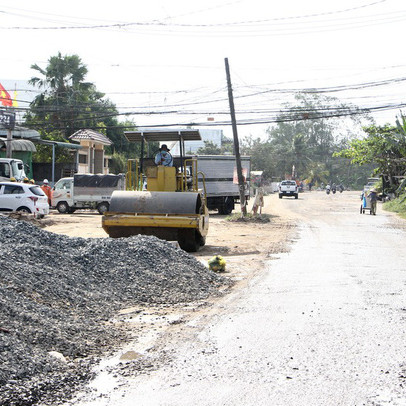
<point x="5" y="98"/>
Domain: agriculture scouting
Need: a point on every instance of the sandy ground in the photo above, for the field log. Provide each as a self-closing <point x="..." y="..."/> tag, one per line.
<point x="320" y="325"/>
<point x="244" y="245"/>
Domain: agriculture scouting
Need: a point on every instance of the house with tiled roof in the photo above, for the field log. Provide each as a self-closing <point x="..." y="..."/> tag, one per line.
<point x="92" y="158"/>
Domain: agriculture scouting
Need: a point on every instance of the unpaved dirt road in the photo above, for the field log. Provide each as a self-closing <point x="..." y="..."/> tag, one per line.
<point x="322" y="324"/>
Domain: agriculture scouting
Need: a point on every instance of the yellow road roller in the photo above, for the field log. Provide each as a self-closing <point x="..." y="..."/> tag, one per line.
<point x="162" y="196"/>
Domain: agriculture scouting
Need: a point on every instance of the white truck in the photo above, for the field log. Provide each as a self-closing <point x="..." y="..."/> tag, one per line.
<point x="86" y="191"/>
<point x="288" y="188"/>
<point x="12" y="168"/>
<point x="220" y="173"/>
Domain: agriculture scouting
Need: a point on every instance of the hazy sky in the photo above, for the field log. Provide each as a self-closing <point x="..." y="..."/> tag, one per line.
<point x="167" y="56"/>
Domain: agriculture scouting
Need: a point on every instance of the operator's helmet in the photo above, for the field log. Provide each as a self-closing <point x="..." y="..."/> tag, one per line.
<point x="13" y="179"/>
<point x="32" y="181"/>
<point x="26" y="180"/>
<point x="45" y="181"/>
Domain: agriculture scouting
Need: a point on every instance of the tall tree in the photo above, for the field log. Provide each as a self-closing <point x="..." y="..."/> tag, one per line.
<point x="67" y="102"/>
<point x="308" y="133"/>
<point x="210" y="148"/>
<point x="384" y="147"/>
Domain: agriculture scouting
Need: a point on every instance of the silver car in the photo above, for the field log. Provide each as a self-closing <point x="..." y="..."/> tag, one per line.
<point x="23" y="197"/>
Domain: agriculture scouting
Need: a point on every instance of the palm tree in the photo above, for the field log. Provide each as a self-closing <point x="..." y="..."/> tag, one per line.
<point x="66" y="94"/>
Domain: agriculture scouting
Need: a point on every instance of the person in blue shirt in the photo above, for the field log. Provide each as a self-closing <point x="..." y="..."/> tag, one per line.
<point x="163" y="157"/>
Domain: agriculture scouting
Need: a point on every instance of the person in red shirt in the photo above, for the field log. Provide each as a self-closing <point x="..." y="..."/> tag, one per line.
<point x="47" y="190"/>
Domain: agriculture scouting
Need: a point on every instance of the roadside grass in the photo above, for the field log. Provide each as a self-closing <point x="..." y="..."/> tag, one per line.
<point x="397" y="205"/>
<point x="250" y="218"/>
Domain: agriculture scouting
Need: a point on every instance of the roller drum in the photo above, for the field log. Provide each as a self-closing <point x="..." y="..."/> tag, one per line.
<point x="155" y="202"/>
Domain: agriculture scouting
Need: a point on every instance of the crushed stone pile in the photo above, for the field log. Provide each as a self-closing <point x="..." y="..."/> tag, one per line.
<point x="57" y="293"/>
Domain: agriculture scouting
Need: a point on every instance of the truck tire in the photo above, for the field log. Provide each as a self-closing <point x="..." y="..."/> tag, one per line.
<point x="63" y="207"/>
<point x="296" y="196"/>
<point x="103" y="207"/>
<point x="228" y="206"/>
<point x="280" y="196"/>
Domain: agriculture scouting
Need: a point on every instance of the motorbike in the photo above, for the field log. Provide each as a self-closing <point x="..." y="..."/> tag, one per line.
<point x="328" y="189"/>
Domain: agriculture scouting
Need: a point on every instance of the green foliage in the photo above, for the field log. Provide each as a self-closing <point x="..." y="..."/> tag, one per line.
<point x="303" y="142"/>
<point x="317" y="173"/>
<point x="250" y="218"/>
<point x="261" y="154"/>
<point x="44" y="152"/>
<point x="384" y="147"/>
<point x="397" y="205"/>
<point x="210" y="148"/>
<point x="118" y="163"/>
<point x="67" y="102"/>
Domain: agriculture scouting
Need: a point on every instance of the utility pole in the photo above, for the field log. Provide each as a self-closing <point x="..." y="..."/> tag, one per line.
<point x="8" y="143"/>
<point x="236" y="142"/>
<point x="7" y="120"/>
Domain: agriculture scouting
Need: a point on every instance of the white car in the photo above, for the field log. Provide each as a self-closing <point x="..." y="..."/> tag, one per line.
<point x="23" y="197"/>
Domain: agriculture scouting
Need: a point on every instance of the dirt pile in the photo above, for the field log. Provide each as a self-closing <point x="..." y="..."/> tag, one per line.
<point x="57" y="293"/>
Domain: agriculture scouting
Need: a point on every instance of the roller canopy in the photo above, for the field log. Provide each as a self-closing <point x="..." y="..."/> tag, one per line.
<point x="155" y="202"/>
<point x="163" y="135"/>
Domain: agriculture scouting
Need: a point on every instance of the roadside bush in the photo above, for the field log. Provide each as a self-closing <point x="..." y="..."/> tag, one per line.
<point x="397" y="205"/>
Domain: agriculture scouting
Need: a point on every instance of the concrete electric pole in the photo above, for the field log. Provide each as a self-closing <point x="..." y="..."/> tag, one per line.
<point x="236" y="142"/>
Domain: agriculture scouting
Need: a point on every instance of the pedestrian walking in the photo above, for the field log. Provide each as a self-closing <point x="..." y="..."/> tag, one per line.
<point x="47" y="190"/>
<point x="259" y="201"/>
<point x="373" y="197"/>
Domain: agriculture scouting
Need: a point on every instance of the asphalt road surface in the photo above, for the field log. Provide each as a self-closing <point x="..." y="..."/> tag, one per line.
<point x="322" y="325"/>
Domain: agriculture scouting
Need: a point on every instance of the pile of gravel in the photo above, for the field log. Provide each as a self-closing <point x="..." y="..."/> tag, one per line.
<point x="57" y="293"/>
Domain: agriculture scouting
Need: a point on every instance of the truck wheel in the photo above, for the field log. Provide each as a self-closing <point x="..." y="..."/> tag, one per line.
<point x="296" y="196"/>
<point x="280" y="196"/>
<point x="227" y="206"/>
<point x="62" y="207"/>
<point x="103" y="207"/>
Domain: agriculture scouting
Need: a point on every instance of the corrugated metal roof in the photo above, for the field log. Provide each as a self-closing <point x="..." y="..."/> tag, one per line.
<point x="158" y="134"/>
<point x="59" y="144"/>
<point x="19" y="145"/>
<point x="21" y="132"/>
<point x="91" y="135"/>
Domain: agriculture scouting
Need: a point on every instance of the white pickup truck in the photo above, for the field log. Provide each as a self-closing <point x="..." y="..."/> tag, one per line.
<point x="288" y="188"/>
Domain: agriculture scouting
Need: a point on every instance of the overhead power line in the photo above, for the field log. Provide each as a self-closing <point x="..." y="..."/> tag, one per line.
<point x="189" y="25"/>
<point x="288" y="115"/>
